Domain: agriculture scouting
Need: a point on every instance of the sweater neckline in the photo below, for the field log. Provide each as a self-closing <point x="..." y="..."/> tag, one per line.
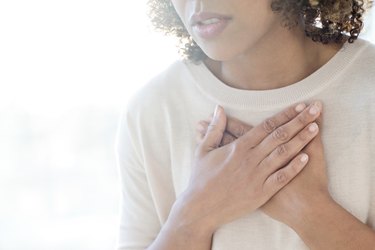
<point x="302" y="90"/>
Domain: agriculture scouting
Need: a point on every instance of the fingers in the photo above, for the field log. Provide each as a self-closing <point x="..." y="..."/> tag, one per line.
<point x="215" y="131"/>
<point x="258" y="133"/>
<point x="201" y="132"/>
<point x="282" y="177"/>
<point x="235" y="127"/>
<point x="227" y="137"/>
<point x="317" y="142"/>
<point x="285" y="152"/>
<point x="286" y="132"/>
<point x="270" y="134"/>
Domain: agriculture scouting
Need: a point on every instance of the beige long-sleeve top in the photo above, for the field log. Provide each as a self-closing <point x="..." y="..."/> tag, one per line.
<point x="156" y="142"/>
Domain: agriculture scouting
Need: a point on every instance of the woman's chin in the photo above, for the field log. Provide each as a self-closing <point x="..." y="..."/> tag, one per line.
<point x="219" y="54"/>
<point x="223" y="53"/>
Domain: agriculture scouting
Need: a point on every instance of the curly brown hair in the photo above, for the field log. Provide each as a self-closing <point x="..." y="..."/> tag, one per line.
<point x="325" y="21"/>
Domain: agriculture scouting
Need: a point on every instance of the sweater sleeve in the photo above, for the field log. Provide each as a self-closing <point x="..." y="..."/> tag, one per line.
<point x="139" y="224"/>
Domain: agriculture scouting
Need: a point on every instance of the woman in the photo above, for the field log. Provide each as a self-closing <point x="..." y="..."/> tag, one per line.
<point x="267" y="171"/>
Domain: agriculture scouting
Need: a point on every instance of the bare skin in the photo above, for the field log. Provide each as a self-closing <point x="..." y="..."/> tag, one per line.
<point x="233" y="180"/>
<point x="255" y="166"/>
<point x="305" y="203"/>
<point x="255" y="60"/>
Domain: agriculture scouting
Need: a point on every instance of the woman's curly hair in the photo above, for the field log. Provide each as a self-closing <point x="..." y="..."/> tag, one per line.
<point x="325" y="21"/>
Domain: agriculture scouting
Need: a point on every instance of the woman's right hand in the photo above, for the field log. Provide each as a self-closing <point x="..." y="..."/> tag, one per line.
<point x="233" y="180"/>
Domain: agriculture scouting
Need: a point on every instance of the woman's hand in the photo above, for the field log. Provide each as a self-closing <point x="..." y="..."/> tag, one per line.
<point x="303" y="192"/>
<point x="230" y="181"/>
<point x="234" y="129"/>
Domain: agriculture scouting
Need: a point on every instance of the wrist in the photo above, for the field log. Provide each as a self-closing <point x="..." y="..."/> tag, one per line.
<point x="327" y="225"/>
<point x="310" y="211"/>
<point x="301" y="211"/>
<point x="183" y="230"/>
<point x="185" y="220"/>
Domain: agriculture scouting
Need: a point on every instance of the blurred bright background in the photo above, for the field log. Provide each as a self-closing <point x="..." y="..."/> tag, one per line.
<point x="67" y="68"/>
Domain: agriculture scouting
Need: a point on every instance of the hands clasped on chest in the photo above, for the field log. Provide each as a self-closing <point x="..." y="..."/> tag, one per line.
<point x="276" y="166"/>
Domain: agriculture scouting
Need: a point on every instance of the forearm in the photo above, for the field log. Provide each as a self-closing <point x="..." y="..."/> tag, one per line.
<point x="329" y="226"/>
<point x="180" y="232"/>
<point x="172" y="239"/>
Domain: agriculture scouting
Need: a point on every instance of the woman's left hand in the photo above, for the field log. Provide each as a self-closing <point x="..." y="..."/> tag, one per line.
<point x="308" y="189"/>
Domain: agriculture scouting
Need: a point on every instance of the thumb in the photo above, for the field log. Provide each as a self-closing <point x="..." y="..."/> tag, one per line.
<point x="215" y="130"/>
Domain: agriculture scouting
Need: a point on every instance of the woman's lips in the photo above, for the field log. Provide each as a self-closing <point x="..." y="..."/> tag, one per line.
<point x="208" y="25"/>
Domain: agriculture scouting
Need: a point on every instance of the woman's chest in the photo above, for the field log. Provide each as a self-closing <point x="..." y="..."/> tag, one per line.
<point x="349" y="152"/>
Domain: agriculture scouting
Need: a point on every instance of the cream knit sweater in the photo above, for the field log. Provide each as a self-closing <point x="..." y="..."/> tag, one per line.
<point x="156" y="142"/>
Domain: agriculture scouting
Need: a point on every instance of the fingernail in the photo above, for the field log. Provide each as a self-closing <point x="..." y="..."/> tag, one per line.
<point x="304" y="158"/>
<point x="315" y="108"/>
<point x="217" y="112"/>
<point x="313" y="127"/>
<point x="300" y="107"/>
<point x="216" y="108"/>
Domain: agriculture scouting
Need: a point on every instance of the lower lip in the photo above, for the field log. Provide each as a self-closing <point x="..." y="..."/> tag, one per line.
<point x="209" y="31"/>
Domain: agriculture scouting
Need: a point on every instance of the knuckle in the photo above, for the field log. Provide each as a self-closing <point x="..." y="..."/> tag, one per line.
<point x="303" y="135"/>
<point x="213" y="128"/>
<point x="280" y="134"/>
<point x="281" y="150"/>
<point x="289" y="115"/>
<point x="239" y="131"/>
<point x="226" y="139"/>
<point x="281" y="177"/>
<point x="201" y="126"/>
<point x="269" y="125"/>
<point x="266" y="163"/>
<point x="302" y="119"/>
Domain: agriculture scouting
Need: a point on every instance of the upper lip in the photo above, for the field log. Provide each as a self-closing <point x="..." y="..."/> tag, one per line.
<point x="201" y="16"/>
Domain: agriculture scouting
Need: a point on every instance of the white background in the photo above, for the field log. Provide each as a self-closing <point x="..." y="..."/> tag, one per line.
<point x="67" y="68"/>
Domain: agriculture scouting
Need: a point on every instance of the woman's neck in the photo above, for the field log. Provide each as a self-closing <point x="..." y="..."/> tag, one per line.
<point x="274" y="62"/>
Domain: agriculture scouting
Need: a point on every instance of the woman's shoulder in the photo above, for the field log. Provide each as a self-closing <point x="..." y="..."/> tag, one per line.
<point x="354" y="66"/>
<point x="363" y="65"/>
<point x="366" y="49"/>
<point x="364" y="53"/>
<point x="162" y="89"/>
<point x="357" y="82"/>
<point x="167" y="78"/>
